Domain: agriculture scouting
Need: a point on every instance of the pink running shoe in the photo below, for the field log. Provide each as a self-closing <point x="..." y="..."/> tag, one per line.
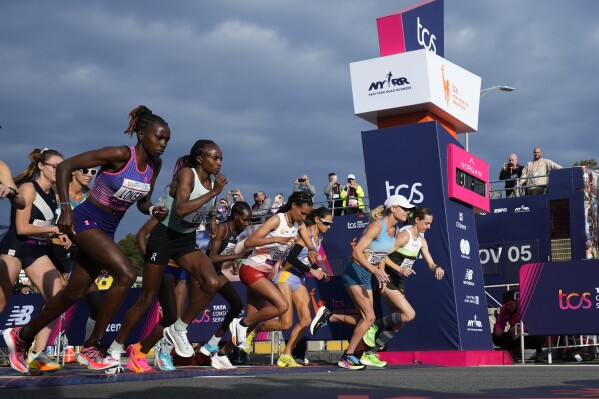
<point x="18" y="350"/>
<point x="138" y="361"/>
<point x="96" y="358"/>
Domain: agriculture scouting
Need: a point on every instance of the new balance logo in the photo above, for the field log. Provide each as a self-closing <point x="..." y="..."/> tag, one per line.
<point x="20" y="315"/>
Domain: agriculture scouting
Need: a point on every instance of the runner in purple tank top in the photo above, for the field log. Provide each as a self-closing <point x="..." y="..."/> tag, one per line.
<point x="127" y="176"/>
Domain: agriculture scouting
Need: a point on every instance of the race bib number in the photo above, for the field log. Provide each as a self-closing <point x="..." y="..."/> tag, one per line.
<point x="407" y="263"/>
<point x="375" y="259"/>
<point x="132" y="190"/>
<point x="229" y="249"/>
<point x="41" y="223"/>
<point x="352" y="202"/>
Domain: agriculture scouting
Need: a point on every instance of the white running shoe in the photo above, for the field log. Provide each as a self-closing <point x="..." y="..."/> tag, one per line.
<point x="179" y="340"/>
<point x="221" y="362"/>
<point x="238" y="334"/>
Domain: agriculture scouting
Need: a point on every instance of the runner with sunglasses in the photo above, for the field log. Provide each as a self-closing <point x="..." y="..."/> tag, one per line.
<point x="291" y="281"/>
<point x="127" y="176"/>
<point x="24" y="248"/>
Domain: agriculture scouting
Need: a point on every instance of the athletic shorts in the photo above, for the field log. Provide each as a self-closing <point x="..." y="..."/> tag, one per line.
<point x="27" y="251"/>
<point x="61" y="257"/>
<point x="165" y="244"/>
<point x="395" y="282"/>
<point x="88" y="216"/>
<point x="177" y="272"/>
<point x="355" y="274"/>
<point x="293" y="280"/>
<point x="248" y="275"/>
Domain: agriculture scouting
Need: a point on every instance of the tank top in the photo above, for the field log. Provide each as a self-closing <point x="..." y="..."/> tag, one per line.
<point x="189" y="223"/>
<point x="380" y="246"/>
<point x="119" y="190"/>
<point x="227" y="245"/>
<point x="74" y="204"/>
<point x="263" y="258"/>
<point x="302" y="257"/>
<point x="42" y="214"/>
<point x="405" y="256"/>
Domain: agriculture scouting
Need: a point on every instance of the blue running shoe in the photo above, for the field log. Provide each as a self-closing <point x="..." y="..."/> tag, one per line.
<point x="209" y="350"/>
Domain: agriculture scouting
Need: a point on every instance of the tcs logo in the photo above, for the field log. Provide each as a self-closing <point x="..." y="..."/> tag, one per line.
<point x="422" y="35"/>
<point x="415" y="197"/>
<point x="574" y="300"/>
<point x="203" y="317"/>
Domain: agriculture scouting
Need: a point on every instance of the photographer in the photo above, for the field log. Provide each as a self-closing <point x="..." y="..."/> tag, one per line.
<point x="303" y="184"/>
<point x="511" y="170"/>
<point x="352" y="194"/>
<point x="233" y="196"/>
<point x="333" y="194"/>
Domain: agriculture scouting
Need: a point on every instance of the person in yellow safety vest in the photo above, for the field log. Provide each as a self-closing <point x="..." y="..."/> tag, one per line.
<point x="352" y="194"/>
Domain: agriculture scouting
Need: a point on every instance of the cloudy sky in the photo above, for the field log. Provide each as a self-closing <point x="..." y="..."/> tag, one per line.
<point x="269" y="80"/>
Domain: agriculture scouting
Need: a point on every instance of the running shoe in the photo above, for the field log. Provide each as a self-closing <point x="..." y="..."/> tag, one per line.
<point x="370" y="336"/>
<point x="372" y="359"/>
<point x="179" y="340"/>
<point x="238" y="334"/>
<point x="287" y="361"/>
<point x="350" y="362"/>
<point x="18" y="349"/>
<point x="208" y="350"/>
<point x="164" y="361"/>
<point x="249" y="341"/>
<point x="42" y="362"/>
<point x="138" y="361"/>
<point x="320" y="320"/>
<point x="96" y="357"/>
<point x="221" y="362"/>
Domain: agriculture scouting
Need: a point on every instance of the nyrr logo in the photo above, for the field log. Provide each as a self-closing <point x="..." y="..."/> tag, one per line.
<point x="465" y="248"/>
<point x="474" y="324"/>
<point x="574" y="300"/>
<point x="425" y="38"/>
<point x="522" y="209"/>
<point x="20" y="315"/>
<point x="390" y="81"/>
<point x="415" y="197"/>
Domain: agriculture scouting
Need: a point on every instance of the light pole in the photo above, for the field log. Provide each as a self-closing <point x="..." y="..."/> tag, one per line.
<point x="483" y="93"/>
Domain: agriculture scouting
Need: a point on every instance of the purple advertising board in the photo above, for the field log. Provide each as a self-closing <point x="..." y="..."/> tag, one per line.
<point x="560" y="298"/>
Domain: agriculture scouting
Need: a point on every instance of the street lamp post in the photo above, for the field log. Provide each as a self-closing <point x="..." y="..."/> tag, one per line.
<point x="483" y="93"/>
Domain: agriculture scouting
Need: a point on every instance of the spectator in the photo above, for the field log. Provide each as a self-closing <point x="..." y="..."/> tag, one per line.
<point x="509" y="316"/>
<point x="279" y="202"/>
<point x="511" y="170"/>
<point x="222" y="210"/>
<point x="303" y="184"/>
<point x="23" y="287"/>
<point x="534" y="174"/>
<point x="233" y="196"/>
<point x="333" y="193"/>
<point x="352" y="194"/>
<point x="261" y="209"/>
<point x="591" y="252"/>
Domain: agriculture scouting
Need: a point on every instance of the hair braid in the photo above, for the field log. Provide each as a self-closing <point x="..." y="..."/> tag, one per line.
<point x="140" y="118"/>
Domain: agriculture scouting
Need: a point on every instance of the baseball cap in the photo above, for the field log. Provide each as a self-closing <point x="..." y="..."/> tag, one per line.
<point x="350" y="176"/>
<point x="398" y="200"/>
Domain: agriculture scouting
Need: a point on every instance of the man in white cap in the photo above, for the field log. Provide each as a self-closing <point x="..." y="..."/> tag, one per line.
<point x="352" y="194"/>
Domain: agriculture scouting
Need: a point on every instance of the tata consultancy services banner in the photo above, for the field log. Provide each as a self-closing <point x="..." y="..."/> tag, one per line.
<point x="560" y="298"/>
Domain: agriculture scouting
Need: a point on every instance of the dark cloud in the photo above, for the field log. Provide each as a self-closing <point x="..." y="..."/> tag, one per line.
<point x="269" y="80"/>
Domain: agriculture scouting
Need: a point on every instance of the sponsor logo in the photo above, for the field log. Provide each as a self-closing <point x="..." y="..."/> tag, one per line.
<point x="473" y="299"/>
<point x="356" y="225"/>
<point x="113" y="327"/>
<point x="19" y="315"/>
<point x="458" y="224"/>
<point x="474" y="324"/>
<point x="468" y="277"/>
<point x="461" y="216"/>
<point x="452" y="96"/>
<point x="415" y="196"/>
<point x="425" y="38"/>
<point x="522" y="209"/>
<point x="393" y="84"/>
<point x="500" y="210"/>
<point x="465" y="248"/>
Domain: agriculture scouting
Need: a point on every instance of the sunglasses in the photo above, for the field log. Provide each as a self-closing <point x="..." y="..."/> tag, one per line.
<point x="87" y="171"/>
<point x="325" y="222"/>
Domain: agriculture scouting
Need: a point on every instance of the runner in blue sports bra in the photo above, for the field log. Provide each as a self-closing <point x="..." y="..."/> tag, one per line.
<point x="127" y="176"/>
<point x="377" y="241"/>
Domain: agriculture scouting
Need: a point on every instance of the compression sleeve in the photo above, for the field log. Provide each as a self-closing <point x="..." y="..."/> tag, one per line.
<point x="293" y="258"/>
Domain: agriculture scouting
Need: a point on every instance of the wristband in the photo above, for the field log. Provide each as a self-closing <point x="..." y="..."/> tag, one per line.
<point x="151" y="210"/>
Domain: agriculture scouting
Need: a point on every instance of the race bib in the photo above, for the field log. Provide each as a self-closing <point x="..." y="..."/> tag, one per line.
<point x="132" y="190"/>
<point x="41" y="223"/>
<point x="375" y="259"/>
<point x="352" y="202"/>
<point x="229" y="249"/>
<point x="407" y="263"/>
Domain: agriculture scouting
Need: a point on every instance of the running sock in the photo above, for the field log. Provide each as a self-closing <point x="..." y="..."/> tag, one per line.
<point x="221" y="353"/>
<point x="214" y="341"/>
<point x="394" y="319"/>
<point x="166" y="349"/>
<point x="180" y="325"/>
<point x="387" y="326"/>
<point x="89" y="327"/>
<point x="242" y="323"/>
<point x="115" y="347"/>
